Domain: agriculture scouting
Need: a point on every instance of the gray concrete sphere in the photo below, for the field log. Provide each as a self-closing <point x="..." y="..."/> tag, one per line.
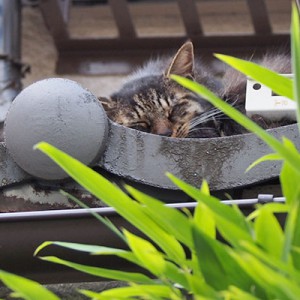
<point x="61" y="112"/>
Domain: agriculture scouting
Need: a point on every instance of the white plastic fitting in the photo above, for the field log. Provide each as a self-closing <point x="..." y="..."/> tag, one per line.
<point x="262" y="101"/>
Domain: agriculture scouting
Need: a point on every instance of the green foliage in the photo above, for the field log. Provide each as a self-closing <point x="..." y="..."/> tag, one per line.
<point x="259" y="259"/>
<point x="25" y="288"/>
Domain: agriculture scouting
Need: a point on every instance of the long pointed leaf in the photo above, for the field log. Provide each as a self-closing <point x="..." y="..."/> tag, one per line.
<point x="217" y="265"/>
<point x="25" y="288"/>
<point x="281" y="85"/>
<point x="267" y="157"/>
<point x="235" y="293"/>
<point x="146" y="253"/>
<point x="101" y="272"/>
<point x="113" y="196"/>
<point x="231" y="224"/>
<point x="295" y="49"/>
<point x="269" y="234"/>
<point x="276" y="285"/>
<point x="292" y="158"/>
<point x="168" y="218"/>
<point x="203" y="217"/>
<point x="103" y="220"/>
<point x="91" y="249"/>
<point x="272" y="262"/>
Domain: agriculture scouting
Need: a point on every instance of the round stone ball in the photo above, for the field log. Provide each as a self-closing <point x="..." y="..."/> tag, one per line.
<point x="62" y="113"/>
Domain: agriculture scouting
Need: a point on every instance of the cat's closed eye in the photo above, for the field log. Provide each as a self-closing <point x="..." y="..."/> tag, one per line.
<point x="141" y="126"/>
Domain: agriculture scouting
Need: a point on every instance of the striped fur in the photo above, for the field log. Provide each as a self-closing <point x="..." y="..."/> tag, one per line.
<point x="150" y="101"/>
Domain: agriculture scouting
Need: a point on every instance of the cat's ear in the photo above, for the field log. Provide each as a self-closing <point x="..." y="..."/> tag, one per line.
<point x="183" y="62"/>
<point x="108" y="103"/>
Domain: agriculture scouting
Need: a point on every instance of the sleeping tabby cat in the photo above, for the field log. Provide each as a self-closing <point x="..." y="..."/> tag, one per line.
<point x="150" y="101"/>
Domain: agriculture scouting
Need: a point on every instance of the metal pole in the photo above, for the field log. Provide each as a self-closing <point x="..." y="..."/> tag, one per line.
<point x="298" y="4"/>
<point x="10" y="53"/>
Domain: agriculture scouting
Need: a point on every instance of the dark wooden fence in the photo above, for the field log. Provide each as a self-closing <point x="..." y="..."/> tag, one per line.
<point x="107" y="55"/>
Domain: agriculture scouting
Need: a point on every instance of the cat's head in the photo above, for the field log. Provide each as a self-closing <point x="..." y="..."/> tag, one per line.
<point x="156" y="104"/>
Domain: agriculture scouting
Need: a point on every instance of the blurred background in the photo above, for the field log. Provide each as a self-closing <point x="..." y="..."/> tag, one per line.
<point x="155" y="27"/>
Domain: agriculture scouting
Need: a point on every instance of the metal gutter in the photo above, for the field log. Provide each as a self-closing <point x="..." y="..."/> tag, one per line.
<point x="22" y="232"/>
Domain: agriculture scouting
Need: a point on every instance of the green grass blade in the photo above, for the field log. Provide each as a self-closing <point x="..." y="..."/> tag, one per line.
<point x="291" y="157"/>
<point x="289" y="231"/>
<point x="91" y="249"/>
<point x="198" y="287"/>
<point x="204" y="220"/>
<point x="101" y="272"/>
<point x="231" y="224"/>
<point x="267" y="157"/>
<point x="113" y="196"/>
<point x="103" y="220"/>
<point x="153" y="260"/>
<point x="290" y="186"/>
<point x="269" y="234"/>
<point x="289" y="180"/>
<point x="296" y="241"/>
<point x="209" y="263"/>
<point x="276" y="285"/>
<point x="168" y="218"/>
<point x="272" y="207"/>
<point x="218" y="267"/>
<point x="146" y="253"/>
<point x="295" y="49"/>
<point x="281" y="85"/>
<point x="236" y="293"/>
<point x="25" y="288"/>
<point x="272" y="262"/>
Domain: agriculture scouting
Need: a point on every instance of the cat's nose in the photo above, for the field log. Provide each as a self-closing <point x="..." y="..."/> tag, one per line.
<point x="165" y="132"/>
<point x="168" y="132"/>
<point x="162" y="127"/>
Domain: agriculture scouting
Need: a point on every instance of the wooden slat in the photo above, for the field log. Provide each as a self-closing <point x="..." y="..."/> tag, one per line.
<point x="122" y="18"/>
<point x="120" y="55"/>
<point x="65" y="9"/>
<point x="260" y="17"/>
<point x="55" y="19"/>
<point x="115" y="56"/>
<point x="190" y="17"/>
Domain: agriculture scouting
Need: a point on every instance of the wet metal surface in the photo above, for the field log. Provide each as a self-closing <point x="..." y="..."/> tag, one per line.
<point x="10" y="172"/>
<point x="221" y="161"/>
<point x="145" y="158"/>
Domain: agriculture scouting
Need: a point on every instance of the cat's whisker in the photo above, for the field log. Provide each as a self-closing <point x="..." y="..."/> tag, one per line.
<point x="208" y="114"/>
<point x="197" y="129"/>
<point x="215" y="115"/>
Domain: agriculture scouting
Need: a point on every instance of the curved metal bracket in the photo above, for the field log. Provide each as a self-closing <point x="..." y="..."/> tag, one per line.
<point x="145" y="158"/>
